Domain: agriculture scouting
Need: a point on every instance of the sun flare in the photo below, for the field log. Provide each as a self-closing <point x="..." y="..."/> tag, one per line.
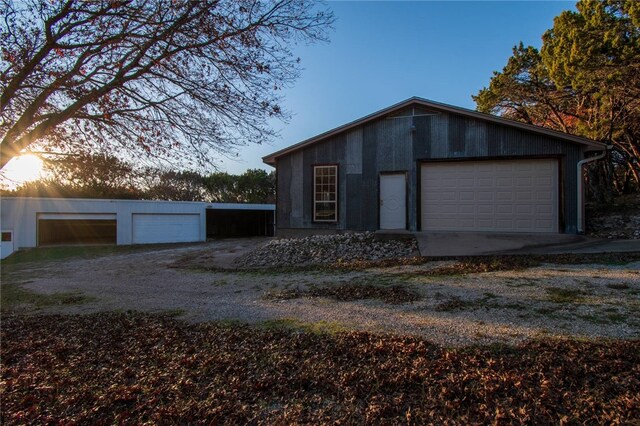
<point x="24" y="168"/>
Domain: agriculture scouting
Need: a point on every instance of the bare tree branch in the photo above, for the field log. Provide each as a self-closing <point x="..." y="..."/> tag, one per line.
<point x="186" y="79"/>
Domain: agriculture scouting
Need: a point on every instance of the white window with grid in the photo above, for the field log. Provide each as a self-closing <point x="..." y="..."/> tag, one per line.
<point x="325" y="193"/>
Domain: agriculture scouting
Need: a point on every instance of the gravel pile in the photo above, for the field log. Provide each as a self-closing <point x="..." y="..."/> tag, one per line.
<point x="326" y="249"/>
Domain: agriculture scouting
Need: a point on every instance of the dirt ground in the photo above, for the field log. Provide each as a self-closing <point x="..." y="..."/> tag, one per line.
<point x="586" y="301"/>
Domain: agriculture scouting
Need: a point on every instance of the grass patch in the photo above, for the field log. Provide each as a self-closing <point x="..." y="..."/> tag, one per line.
<point x="347" y="292"/>
<point x="460" y="265"/>
<point x="319" y="327"/>
<point x="53" y="254"/>
<point x="564" y="295"/>
<point x="547" y="312"/>
<point x="604" y="318"/>
<point x="616" y="318"/>
<point x="527" y="282"/>
<point x="453" y="304"/>
<point x="488" y="301"/>
<point x="173" y="313"/>
<point x="618" y="286"/>
<point x="229" y="323"/>
<point x="14" y="296"/>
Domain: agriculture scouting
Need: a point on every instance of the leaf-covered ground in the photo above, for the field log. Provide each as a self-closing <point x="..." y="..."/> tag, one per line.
<point x="134" y="368"/>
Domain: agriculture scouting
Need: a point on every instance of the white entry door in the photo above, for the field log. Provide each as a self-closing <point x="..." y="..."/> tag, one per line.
<point x="393" y="201"/>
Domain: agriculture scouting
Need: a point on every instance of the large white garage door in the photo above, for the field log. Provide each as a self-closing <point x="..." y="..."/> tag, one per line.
<point x="165" y="228"/>
<point x="494" y="196"/>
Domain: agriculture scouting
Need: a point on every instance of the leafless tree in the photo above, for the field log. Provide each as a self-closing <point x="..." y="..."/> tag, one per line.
<point x="169" y="78"/>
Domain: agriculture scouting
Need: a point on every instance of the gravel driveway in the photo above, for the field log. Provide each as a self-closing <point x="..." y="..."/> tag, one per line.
<point x="590" y="301"/>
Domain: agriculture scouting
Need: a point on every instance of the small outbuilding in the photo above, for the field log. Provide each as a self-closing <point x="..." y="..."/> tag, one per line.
<point x="421" y="165"/>
<point x="37" y="222"/>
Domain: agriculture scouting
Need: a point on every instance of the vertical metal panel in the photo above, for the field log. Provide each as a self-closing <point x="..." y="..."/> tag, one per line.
<point x="394" y="144"/>
<point x="439" y="136"/>
<point x="354" y="208"/>
<point x="456" y="137"/>
<point x="422" y="136"/>
<point x="412" y="195"/>
<point x="309" y="159"/>
<point x="369" y="190"/>
<point x="283" y="192"/>
<point x="573" y="155"/>
<point x="354" y="152"/>
<point x="331" y="151"/>
<point x="476" y="138"/>
<point x="296" y="190"/>
<point x="343" y="206"/>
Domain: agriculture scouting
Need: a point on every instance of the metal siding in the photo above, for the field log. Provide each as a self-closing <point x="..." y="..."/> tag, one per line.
<point x="354" y="152"/>
<point x="296" y="190"/>
<point x="343" y="206"/>
<point x="573" y="155"/>
<point x="422" y="137"/>
<point x="354" y="208"/>
<point x="476" y="138"/>
<point x="331" y="151"/>
<point x="412" y="197"/>
<point x="394" y="144"/>
<point x="456" y="143"/>
<point x="389" y="145"/>
<point x="369" y="190"/>
<point x="439" y="140"/>
<point x="283" y="192"/>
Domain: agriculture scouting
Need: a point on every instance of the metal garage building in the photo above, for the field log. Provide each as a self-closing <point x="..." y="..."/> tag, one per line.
<point x="35" y="222"/>
<point x="421" y="165"/>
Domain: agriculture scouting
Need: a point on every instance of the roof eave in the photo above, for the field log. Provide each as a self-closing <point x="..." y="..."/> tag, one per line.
<point x="590" y="144"/>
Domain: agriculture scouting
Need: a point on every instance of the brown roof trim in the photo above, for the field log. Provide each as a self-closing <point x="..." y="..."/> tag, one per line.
<point x="591" y="144"/>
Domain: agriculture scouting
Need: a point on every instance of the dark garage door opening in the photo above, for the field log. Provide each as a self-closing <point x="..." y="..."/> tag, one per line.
<point x="223" y="223"/>
<point x="76" y="231"/>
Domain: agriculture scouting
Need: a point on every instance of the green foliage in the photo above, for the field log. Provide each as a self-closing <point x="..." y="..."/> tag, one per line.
<point x="175" y="185"/>
<point x="354" y="290"/>
<point x="585" y="80"/>
<point x="564" y="295"/>
<point x="83" y="176"/>
<point x="253" y="186"/>
<point x="15" y="297"/>
<point x="52" y="254"/>
<point x="522" y="91"/>
<point x="104" y="176"/>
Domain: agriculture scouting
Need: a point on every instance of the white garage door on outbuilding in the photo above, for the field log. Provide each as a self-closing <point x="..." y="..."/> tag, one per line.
<point x="164" y="228"/>
<point x="490" y="196"/>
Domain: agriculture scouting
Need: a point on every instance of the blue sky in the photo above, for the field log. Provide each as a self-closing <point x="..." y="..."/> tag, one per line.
<point x="384" y="52"/>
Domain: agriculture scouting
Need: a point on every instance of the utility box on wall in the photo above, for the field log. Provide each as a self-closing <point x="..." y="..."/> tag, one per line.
<point x="7" y="244"/>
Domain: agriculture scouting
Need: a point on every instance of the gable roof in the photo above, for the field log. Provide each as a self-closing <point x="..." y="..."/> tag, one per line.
<point x="440" y="107"/>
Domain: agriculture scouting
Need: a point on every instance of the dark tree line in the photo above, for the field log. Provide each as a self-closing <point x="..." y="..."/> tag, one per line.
<point x="585" y="80"/>
<point x="103" y="176"/>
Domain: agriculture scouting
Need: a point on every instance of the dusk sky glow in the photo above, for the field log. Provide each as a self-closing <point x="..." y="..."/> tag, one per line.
<point x="384" y="52"/>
